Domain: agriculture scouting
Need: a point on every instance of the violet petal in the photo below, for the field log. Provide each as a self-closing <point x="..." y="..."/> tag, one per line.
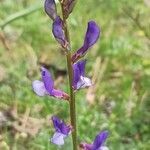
<point x="79" y="70"/>
<point x="50" y="8"/>
<point x="47" y="80"/>
<point x="56" y="123"/>
<point x="91" y="37"/>
<point x="60" y="126"/>
<point x="80" y="81"/>
<point x="81" y="65"/>
<point x="83" y="83"/>
<point x="58" y="32"/>
<point x="100" y="140"/>
<point x="76" y="73"/>
<point x="65" y="129"/>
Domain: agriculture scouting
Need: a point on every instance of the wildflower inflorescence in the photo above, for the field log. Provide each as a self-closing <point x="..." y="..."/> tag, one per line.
<point x="98" y="143"/>
<point x="46" y="86"/>
<point x="61" y="131"/>
<point x="76" y="70"/>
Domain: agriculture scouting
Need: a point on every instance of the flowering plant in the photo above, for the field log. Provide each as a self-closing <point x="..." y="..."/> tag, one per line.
<point x="76" y="72"/>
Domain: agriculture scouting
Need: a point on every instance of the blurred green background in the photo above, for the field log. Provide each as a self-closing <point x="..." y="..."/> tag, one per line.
<point x="119" y="64"/>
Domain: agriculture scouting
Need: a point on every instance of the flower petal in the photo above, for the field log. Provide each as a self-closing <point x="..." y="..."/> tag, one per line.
<point x="80" y="81"/>
<point x="81" y="65"/>
<point x="59" y="94"/>
<point x="100" y="140"/>
<point x="39" y="88"/>
<point x="57" y="123"/>
<point x="60" y="126"/>
<point x="91" y="37"/>
<point x="86" y="146"/>
<point x="79" y="70"/>
<point x="76" y="73"/>
<point x="58" y="32"/>
<point x="47" y="80"/>
<point x="83" y="82"/>
<point x="58" y="138"/>
<point x="50" y="8"/>
<point x="103" y="148"/>
<point x="65" y="129"/>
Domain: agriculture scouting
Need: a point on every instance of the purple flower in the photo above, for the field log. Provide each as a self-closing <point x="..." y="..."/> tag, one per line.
<point x="46" y="86"/>
<point x="50" y="8"/>
<point x="61" y="131"/>
<point x="80" y="81"/>
<point x="58" y="32"/>
<point x="68" y="6"/>
<point x="91" y="37"/>
<point x="98" y="143"/>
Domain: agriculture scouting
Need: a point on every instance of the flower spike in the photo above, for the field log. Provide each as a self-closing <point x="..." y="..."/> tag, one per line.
<point x="61" y="131"/>
<point x="46" y="86"/>
<point x="50" y="8"/>
<point x="91" y="37"/>
<point x="80" y="81"/>
<point x="98" y="143"/>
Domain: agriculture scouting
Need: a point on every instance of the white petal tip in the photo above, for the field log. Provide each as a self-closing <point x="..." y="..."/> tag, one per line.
<point x="39" y="88"/>
<point x="58" y="139"/>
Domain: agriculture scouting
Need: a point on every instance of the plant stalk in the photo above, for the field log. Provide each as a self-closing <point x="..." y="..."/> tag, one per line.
<point x="72" y="102"/>
<point x="72" y="95"/>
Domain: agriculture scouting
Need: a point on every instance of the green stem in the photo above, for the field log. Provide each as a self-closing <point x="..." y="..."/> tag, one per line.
<point x="19" y="14"/>
<point x="72" y="95"/>
<point x="72" y="102"/>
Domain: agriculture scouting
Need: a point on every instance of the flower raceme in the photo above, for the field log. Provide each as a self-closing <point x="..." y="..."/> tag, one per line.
<point x="80" y="81"/>
<point x="98" y="143"/>
<point x="61" y="131"/>
<point x="91" y="37"/>
<point x="46" y="86"/>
